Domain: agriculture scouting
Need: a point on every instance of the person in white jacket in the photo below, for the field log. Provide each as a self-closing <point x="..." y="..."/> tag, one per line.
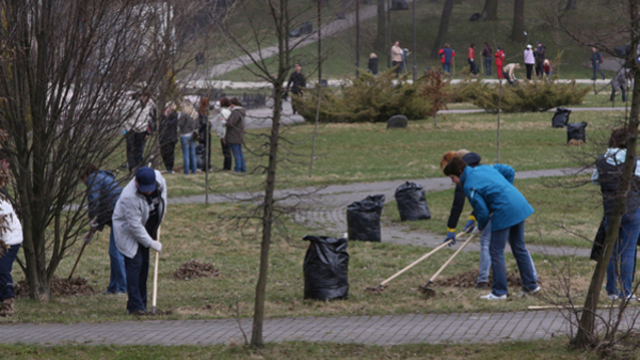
<point x="10" y="241"/>
<point x="136" y="220"/>
<point x="529" y="60"/>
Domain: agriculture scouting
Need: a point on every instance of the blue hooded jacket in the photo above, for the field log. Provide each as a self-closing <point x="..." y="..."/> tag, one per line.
<point x="103" y="192"/>
<point x="491" y="194"/>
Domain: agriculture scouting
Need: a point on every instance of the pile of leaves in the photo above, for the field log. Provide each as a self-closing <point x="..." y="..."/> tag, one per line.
<point x="366" y="99"/>
<point x="525" y="96"/>
<point x="59" y="287"/>
<point x="468" y="279"/>
<point x="194" y="269"/>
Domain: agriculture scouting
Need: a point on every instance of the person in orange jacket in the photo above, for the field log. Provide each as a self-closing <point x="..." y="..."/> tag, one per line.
<point x="499" y="55"/>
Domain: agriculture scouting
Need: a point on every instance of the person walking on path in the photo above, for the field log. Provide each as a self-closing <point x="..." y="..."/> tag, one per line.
<point x="137" y="127"/>
<point x="493" y="197"/>
<point x="204" y="131"/>
<point x="103" y="192"/>
<point x="10" y="242"/>
<point x="607" y="175"/>
<point x="188" y="126"/>
<point x="500" y="57"/>
<point x="299" y="82"/>
<point x="396" y="58"/>
<point x="221" y="131"/>
<point x="136" y="220"/>
<point x="529" y="60"/>
<point x="446" y="57"/>
<point x="471" y="59"/>
<point x="620" y="82"/>
<point x="372" y="65"/>
<point x="169" y="136"/>
<point x="235" y="134"/>
<point x="596" y="60"/>
<point x="541" y="55"/>
<point x="509" y="72"/>
<point x="486" y="54"/>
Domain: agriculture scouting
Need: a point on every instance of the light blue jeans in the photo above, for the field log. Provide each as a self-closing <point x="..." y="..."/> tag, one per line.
<point x="621" y="264"/>
<point x="118" y="279"/>
<point x="188" y="146"/>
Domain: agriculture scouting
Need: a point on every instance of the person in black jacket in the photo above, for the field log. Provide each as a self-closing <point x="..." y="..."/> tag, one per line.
<point x="168" y="136"/>
<point x="372" y="66"/>
<point x="299" y="82"/>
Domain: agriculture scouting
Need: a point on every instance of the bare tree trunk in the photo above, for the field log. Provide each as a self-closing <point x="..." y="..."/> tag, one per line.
<point x="490" y="11"/>
<point x="444" y="28"/>
<point x="585" y="335"/>
<point x="517" y="33"/>
<point x="381" y="34"/>
<point x="571" y="5"/>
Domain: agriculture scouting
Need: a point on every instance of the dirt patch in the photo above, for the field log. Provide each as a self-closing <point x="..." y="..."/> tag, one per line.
<point x="59" y="287"/>
<point x="468" y="279"/>
<point x="194" y="269"/>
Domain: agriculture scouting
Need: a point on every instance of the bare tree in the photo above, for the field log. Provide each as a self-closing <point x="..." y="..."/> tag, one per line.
<point x="443" y="29"/>
<point x="381" y="33"/>
<point x="517" y="30"/>
<point x="571" y="5"/>
<point x="490" y="10"/>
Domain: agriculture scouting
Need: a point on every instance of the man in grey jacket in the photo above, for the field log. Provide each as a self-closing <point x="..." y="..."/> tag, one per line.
<point x="136" y="220"/>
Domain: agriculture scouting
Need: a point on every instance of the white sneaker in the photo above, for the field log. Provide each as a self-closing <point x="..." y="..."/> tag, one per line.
<point x="613" y="297"/>
<point x="530" y="292"/>
<point x="491" y="297"/>
<point x="632" y="297"/>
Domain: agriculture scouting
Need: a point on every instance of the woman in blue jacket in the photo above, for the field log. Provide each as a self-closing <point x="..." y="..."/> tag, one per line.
<point x="493" y="197"/>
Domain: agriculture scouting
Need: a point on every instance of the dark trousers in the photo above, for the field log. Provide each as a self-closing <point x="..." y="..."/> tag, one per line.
<point x="6" y="281"/>
<point x="473" y="67"/>
<point x="137" y="270"/>
<point x="487" y="65"/>
<point x="135" y="148"/>
<point x="506" y="76"/>
<point x="226" y="152"/>
<point x="595" y="66"/>
<point x="398" y="67"/>
<point x="529" y="70"/>
<point x="167" y="151"/>
<point x="613" y="94"/>
<point x="203" y="141"/>
<point x="539" y="68"/>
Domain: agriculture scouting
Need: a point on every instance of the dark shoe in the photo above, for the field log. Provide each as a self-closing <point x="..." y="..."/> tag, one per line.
<point x="603" y="77"/>
<point x="482" y="286"/>
<point x="6" y="307"/>
<point x="139" y="313"/>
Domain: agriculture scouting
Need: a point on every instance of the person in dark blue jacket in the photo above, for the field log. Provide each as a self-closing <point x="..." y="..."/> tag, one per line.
<point x="494" y="198"/>
<point x="103" y="192"/>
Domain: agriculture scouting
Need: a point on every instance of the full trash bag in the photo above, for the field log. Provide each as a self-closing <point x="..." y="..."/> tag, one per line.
<point x="412" y="202"/>
<point x="561" y="117"/>
<point x="577" y="131"/>
<point x="326" y="267"/>
<point x="363" y="218"/>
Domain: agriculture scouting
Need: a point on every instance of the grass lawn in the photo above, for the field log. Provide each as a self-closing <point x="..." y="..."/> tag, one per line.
<point x="534" y="350"/>
<point x="578" y="209"/>
<point x="348" y="153"/>
<point x="198" y="232"/>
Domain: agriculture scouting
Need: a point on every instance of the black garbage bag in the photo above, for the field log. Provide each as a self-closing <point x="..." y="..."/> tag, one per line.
<point x="326" y="267"/>
<point x="412" y="202"/>
<point x="363" y="218"/>
<point x="201" y="150"/>
<point x="577" y="131"/>
<point x="561" y="117"/>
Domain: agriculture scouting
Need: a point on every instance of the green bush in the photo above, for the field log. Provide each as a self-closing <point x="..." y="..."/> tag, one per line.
<point x="467" y="90"/>
<point x="527" y="95"/>
<point x="365" y="99"/>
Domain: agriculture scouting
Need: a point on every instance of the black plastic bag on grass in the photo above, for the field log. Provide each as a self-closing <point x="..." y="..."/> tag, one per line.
<point x="363" y="218"/>
<point x="412" y="202"/>
<point x="577" y="131"/>
<point x="326" y="268"/>
<point x="561" y="117"/>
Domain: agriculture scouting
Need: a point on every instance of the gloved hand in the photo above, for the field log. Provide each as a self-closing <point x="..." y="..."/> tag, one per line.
<point x="88" y="237"/>
<point x="451" y="235"/>
<point x="93" y="224"/>
<point x="471" y="224"/>
<point x="156" y="245"/>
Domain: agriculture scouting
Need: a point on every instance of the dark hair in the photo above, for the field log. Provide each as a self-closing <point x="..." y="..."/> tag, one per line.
<point x="204" y="105"/>
<point x="224" y="102"/>
<point x="618" y="138"/>
<point x="472" y="45"/>
<point x="455" y="167"/>
<point x="235" y="101"/>
<point x="487" y="43"/>
<point x="87" y="169"/>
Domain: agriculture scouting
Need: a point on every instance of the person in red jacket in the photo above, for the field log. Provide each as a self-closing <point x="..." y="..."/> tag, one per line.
<point x="499" y="55"/>
<point x="446" y="57"/>
<point x="471" y="58"/>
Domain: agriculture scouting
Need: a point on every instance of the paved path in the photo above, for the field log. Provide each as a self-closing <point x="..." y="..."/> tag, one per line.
<point x="378" y="330"/>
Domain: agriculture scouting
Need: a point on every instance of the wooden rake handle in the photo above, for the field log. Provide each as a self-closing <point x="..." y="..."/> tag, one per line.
<point x="452" y="257"/>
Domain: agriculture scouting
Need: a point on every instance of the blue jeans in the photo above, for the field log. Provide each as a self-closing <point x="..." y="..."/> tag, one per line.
<point x="6" y="281"/>
<point x="137" y="272"/>
<point x="188" y="146"/>
<point x="446" y="68"/>
<point x="595" y="66"/>
<point x="487" y="65"/>
<point x="118" y="280"/>
<point x="238" y="158"/>
<point x="515" y="236"/>
<point x="621" y="265"/>
<point x="485" y="257"/>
